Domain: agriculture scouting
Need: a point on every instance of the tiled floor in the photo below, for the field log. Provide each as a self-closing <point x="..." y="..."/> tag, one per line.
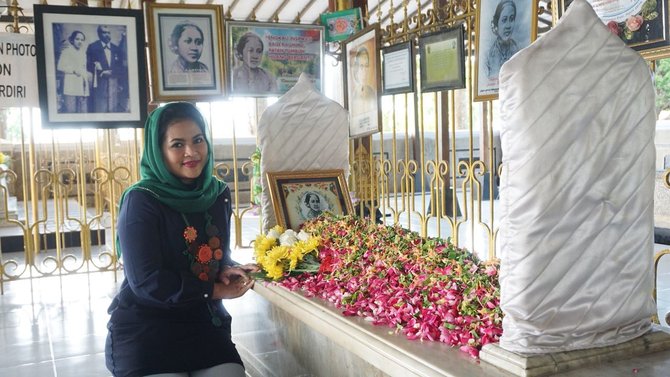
<point x="56" y="327"/>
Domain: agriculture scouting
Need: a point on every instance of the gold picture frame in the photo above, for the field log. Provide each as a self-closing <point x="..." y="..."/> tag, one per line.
<point x="362" y="79"/>
<point x="298" y="196"/>
<point x="492" y="49"/>
<point x="183" y="67"/>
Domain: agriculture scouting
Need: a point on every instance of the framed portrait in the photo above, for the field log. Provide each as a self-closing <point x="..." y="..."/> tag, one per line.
<point x="642" y="25"/>
<point x="266" y="59"/>
<point x="362" y="81"/>
<point x="185" y="51"/>
<point x="340" y="25"/>
<point x="398" y="68"/>
<point x="442" y="60"/>
<point x="503" y="28"/>
<point x="298" y="196"/>
<point x="90" y="66"/>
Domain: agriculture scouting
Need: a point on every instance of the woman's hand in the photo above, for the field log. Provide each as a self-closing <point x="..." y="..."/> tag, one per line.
<point x="232" y="290"/>
<point x="233" y="281"/>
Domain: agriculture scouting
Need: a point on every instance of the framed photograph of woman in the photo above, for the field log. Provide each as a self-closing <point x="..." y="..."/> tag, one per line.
<point x="362" y="81"/>
<point x="398" y="68"/>
<point x="503" y="28"/>
<point x="442" y="60"/>
<point x="90" y="66"/>
<point x="298" y="196"/>
<point x="642" y="25"/>
<point x="185" y="51"/>
<point x="266" y="59"/>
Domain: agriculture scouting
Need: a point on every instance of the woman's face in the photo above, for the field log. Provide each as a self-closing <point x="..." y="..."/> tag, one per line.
<point x="314" y="203"/>
<point x="79" y="41"/>
<point x="184" y="150"/>
<point x="506" y="22"/>
<point x="189" y="45"/>
<point x="252" y="53"/>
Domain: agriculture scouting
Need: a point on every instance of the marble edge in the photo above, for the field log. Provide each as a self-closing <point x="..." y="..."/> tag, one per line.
<point x="348" y="334"/>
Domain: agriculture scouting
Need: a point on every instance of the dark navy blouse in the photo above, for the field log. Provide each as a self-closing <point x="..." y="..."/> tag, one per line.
<point x="163" y="319"/>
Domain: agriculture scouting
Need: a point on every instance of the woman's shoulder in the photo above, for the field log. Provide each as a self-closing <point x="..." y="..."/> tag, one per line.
<point x="140" y="197"/>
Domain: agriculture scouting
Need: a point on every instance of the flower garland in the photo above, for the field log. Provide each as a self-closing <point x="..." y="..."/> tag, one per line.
<point x="427" y="289"/>
<point x="205" y="257"/>
<point x="282" y="252"/>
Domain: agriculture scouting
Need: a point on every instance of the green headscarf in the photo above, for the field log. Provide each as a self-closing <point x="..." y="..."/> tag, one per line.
<point x="155" y="177"/>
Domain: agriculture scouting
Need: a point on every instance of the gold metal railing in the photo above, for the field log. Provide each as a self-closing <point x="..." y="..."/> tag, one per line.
<point x="416" y="173"/>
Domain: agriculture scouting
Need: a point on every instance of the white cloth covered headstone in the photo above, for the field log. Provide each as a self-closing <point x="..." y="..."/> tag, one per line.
<point x="576" y="196"/>
<point x="303" y="130"/>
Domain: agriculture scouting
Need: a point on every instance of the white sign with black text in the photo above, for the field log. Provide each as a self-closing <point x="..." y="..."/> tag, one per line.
<point x="18" y="71"/>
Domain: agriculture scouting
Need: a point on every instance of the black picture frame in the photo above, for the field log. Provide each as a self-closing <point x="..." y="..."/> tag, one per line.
<point x="398" y="68"/>
<point x="651" y="35"/>
<point x="442" y="60"/>
<point x="179" y="70"/>
<point x="113" y="85"/>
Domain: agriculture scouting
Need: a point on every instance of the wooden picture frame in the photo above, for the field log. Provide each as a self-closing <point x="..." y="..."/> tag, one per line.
<point x="282" y="53"/>
<point x="644" y="28"/>
<point x="298" y="196"/>
<point x="363" y="81"/>
<point x="398" y="68"/>
<point x="185" y="51"/>
<point x="80" y="84"/>
<point x="492" y="49"/>
<point x="442" y="60"/>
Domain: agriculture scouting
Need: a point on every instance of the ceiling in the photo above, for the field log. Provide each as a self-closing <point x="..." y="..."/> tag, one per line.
<point x="306" y="11"/>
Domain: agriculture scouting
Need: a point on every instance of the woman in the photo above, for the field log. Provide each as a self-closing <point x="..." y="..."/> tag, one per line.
<point x="72" y="64"/>
<point x="313" y="203"/>
<point x="174" y="233"/>
<point x="249" y="76"/>
<point x="186" y="41"/>
<point x="502" y="25"/>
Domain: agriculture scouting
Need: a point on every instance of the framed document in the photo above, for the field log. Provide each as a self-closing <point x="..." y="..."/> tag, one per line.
<point x="398" y="68"/>
<point x="442" y="60"/>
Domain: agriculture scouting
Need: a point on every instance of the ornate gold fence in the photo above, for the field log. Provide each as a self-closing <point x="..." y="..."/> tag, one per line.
<point x="433" y="169"/>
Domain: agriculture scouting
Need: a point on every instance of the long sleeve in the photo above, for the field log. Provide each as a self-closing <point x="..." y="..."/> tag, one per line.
<point x="152" y="254"/>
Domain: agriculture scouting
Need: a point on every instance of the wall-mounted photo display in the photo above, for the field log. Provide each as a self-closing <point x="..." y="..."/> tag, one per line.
<point x="442" y="60"/>
<point x="642" y="24"/>
<point x="398" y="68"/>
<point x="266" y="59"/>
<point x="342" y="24"/>
<point x="503" y="29"/>
<point x="298" y="196"/>
<point x="185" y="51"/>
<point x="90" y="66"/>
<point x="363" y="81"/>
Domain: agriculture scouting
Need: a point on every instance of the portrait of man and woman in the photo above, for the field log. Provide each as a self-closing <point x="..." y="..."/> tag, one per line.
<point x="91" y="68"/>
